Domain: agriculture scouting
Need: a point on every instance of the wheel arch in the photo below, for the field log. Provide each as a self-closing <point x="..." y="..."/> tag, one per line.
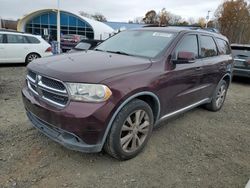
<point x="228" y="78"/>
<point x="148" y="97"/>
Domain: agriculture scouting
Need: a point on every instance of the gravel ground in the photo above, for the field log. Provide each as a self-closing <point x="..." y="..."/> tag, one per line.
<point x="196" y="149"/>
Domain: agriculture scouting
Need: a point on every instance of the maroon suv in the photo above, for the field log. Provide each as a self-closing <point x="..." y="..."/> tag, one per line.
<point x="111" y="97"/>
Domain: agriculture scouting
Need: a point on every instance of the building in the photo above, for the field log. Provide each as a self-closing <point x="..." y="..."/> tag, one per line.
<point x="44" y="23"/>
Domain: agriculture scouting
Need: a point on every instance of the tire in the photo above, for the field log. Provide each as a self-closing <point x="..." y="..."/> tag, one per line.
<point x="122" y="142"/>
<point x="218" y="97"/>
<point x="30" y="57"/>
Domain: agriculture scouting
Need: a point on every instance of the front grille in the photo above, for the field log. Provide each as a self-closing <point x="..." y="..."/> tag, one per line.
<point x="52" y="83"/>
<point x="48" y="89"/>
<point x="57" y="98"/>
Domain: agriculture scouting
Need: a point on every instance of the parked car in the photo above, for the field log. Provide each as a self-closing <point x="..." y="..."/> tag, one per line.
<point x="70" y="41"/>
<point x="86" y="44"/>
<point x="16" y="47"/>
<point x="241" y="55"/>
<point x="112" y="97"/>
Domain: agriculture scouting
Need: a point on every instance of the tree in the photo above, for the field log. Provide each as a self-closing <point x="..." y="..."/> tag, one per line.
<point x="233" y="18"/>
<point x="164" y="17"/>
<point x="150" y="17"/>
<point x="85" y="14"/>
<point x="99" y="17"/>
<point x="201" y="22"/>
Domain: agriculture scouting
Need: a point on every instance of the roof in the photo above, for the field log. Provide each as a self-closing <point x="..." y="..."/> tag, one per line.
<point x="177" y="29"/>
<point x="101" y="30"/>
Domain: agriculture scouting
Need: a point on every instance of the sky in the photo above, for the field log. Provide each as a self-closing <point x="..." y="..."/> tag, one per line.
<point x="113" y="10"/>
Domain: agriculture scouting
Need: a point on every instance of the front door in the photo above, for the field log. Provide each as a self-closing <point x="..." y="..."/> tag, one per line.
<point x="181" y="82"/>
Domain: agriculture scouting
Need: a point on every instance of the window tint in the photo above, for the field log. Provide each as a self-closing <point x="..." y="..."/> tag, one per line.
<point x="188" y="44"/>
<point x="223" y="46"/>
<point x="33" y="40"/>
<point x="16" y="39"/>
<point x="208" y="47"/>
<point x="1" y="38"/>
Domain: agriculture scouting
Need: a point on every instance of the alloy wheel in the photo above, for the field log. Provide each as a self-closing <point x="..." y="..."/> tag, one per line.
<point x="134" y="131"/>
<point x="31" y="57"/>
<point x="221" y="96"/>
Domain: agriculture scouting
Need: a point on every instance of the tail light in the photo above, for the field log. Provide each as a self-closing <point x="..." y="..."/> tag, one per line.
<point x="48" y="49"/>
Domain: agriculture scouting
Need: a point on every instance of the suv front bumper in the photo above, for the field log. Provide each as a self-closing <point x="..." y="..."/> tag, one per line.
<point x="79" y="126"/>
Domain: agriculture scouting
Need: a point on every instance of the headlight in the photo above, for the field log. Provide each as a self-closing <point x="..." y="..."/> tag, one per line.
<point x="89" y="92"/>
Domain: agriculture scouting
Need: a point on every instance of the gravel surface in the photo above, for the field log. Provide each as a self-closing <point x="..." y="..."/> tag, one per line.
<point x="196" y="149"/>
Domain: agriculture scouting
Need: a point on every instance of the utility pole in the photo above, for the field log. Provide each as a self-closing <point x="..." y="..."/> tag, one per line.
<point x="208" y="12"/>
<point x="58" y="28"/>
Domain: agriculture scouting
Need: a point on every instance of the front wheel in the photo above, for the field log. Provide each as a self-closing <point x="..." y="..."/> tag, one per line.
<point x="219" y="97"/>
<point x="130" y="131"/>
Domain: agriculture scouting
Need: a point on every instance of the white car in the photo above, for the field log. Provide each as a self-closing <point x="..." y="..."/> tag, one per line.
<point x="16" y="47"/>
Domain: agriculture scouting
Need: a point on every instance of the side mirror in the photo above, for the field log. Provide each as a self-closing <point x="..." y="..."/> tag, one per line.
<point x="185" y="58"/>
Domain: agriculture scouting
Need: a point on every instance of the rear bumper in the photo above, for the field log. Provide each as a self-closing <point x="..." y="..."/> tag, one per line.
<point x="241" y="72"/>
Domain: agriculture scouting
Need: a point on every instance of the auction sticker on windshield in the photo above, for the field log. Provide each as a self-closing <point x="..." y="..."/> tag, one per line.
<point x="158" y="34"/>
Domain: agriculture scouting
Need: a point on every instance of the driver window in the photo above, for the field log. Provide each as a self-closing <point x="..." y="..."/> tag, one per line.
<point x="189" y="43"/>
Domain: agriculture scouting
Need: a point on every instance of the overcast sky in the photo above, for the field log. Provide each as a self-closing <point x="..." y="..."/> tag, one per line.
<point x="114" y="10"/>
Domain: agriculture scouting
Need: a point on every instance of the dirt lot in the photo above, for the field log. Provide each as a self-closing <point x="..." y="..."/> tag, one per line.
<point x="196" y="149"/>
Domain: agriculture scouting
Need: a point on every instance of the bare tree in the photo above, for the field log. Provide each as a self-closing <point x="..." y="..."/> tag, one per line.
<point x="99" y="17"/>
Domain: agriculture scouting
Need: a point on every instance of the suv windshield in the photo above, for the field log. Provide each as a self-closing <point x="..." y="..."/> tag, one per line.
<point x="147" y="44"/>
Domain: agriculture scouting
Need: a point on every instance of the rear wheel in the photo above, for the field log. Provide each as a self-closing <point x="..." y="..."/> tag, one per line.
<point x="30" y="57"/>
<point x="219" y="97"/>
<point x="130" y="131"/>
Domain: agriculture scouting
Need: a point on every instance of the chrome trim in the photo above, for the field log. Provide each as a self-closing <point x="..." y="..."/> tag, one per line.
<point x="184" y="109"/>
<point x="50" y="91"/>
<point x="31" y="79"/>
<point x="53" y="102"/>
<point x="40" y="87"/>
<point x="29" y="86"/>
<point x="40" y="83"/>
<point x="242" y="60"/>
<point x="243" y="70"/>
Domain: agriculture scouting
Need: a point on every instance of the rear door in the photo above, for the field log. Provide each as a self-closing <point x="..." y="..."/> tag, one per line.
<point x="215" y="64"/>
<point x="16" y="48"/>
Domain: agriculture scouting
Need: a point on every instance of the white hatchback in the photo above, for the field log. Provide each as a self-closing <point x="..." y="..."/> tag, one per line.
<point x="16" y="47"/>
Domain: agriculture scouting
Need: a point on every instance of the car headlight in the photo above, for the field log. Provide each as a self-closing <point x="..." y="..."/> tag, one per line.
<point x="89" y="92"/>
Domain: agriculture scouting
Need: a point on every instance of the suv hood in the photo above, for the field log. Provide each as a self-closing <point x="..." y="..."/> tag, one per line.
<point x="88" y="67"/>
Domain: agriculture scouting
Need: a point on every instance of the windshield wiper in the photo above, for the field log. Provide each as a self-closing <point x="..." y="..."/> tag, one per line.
<point x="119" y="52"/>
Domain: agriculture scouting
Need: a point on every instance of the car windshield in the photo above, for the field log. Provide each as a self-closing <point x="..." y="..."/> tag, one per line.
<point x="147" y="44"/>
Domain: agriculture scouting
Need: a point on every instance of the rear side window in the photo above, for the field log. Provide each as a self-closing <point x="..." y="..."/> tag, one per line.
<point x="16" y="39"/>
<point x="33" y="40"/>
<point x="1" y="38"/>
<point x="223" y="46"/>
<point x="208" y="47"/>
<point x="189" y="43"/>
